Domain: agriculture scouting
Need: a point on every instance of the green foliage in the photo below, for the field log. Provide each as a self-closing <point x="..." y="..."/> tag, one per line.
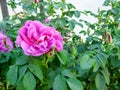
<point x="59" y="83"/>
<point x="12" y="74"/>
<point x="62" y="56"/>
<point x="100" y="82"/>
<point x="74" y="84"/>
<point x="36" y="71"/>
<point x="29" y="81"/>
<point x="91" y="63"/>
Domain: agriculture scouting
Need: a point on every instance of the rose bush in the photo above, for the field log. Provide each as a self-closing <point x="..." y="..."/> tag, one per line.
<point x="51" y="55"/>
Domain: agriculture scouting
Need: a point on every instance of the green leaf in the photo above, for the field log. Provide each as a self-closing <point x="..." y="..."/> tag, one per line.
<point x="115" y="62"/>
<point x="22" y="71"/>
<point x="62" y="22"/>
<point x="70" y="13"/>
<point x="57" y="5"/>
<point x="29" y="81"/>
<point x="70" y="6"/>
<point x="4" y="57"/>
<point x="36" y="62"/>
<point x="36" y="71"/>
<point x="115" y="11"/>
<point x="77" y="14"/>
<point x="2" y="26"/>
<point x="89" y="39"/>
<point x="62" y="56"/>
<point x="92" y="87"/>
<point x="67" y="73"/>
<point x="20" y="86"/>
<point x="82" y="31"/>
<point x="102" y="59"/>
<point x="11" y="22"/>
<point x="106" y="75"/>
<point x="71" y="24"/>
<point x="100" y="82"/>
<point x="12" y="74"/>
<point x="51" y="76"/>
<point x="106" y="2"/>
<point x="86" y="62"/>
<point x="59" y="83"/>
<point x="22" y="60"/>
<point x="79" y="24"/>
<point x="75" y="84"/>
<point x="96" y="65"/>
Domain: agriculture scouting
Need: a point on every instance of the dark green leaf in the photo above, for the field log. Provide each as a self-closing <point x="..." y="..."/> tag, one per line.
<point x="29" y="81"/>
<point x="102" y="59"/>
<point x="20" y="86"/>
<point x="36" y="71"/>
<point x="100" y="82"/>
<point x="97" y="64"/>
<point x="106" y="2"/>
<point x="77" y="14"/>
<point x="59" y="83"/>
<point x="79" y="24"/>
<point x="106" y="75"/>
<point x="83" y="31"/>
<point x="92" y="87"/>
<point x="62" y="56"/>
<point x="22" y="71"/>
<point x="70" y="13"/>
<point x="70" y="6"/>
<point x="12" y="74"/>
<point x="75" y="84"/>
<point x="86" y="62"/>
<point x="71" y="24"/>
<point x="4" y="57"/>
<point x="22" y="60"/>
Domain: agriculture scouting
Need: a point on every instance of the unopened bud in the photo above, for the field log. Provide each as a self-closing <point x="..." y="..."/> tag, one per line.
<point x="35" y="1"/>
<point x="109" y="38"/>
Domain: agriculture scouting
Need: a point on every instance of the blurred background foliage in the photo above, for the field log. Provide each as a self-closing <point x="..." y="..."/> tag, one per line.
<point x="90" y="63"/>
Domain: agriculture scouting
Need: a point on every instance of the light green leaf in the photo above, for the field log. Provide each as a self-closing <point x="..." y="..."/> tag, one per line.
<point x="102" y="59"/>
<point x="12" y="74"/>
<point x="29" y="81"/>
<point x="100" y="82"/>
<point x="71" y="24"/>
<point x="75" y="84"/>
<point x="36" y="71"/>
<point x="67" y="73"/>
<point x="106" y="75"/>
<point x="77" y="13"/>
<point x="96" y="65"/>
<point x="22" y="71"/>
<point x="86" y="62"/>
<point x="59" y="83"/>
<point x="22" y="60"/>
<point x="57" y="5"/>
<point x="62" y="56"/>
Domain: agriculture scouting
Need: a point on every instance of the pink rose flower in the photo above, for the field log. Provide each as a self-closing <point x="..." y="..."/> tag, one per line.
<point x="47" y="20"/>
<point x="37" y="39"/>
<point x="5" y="43"/>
